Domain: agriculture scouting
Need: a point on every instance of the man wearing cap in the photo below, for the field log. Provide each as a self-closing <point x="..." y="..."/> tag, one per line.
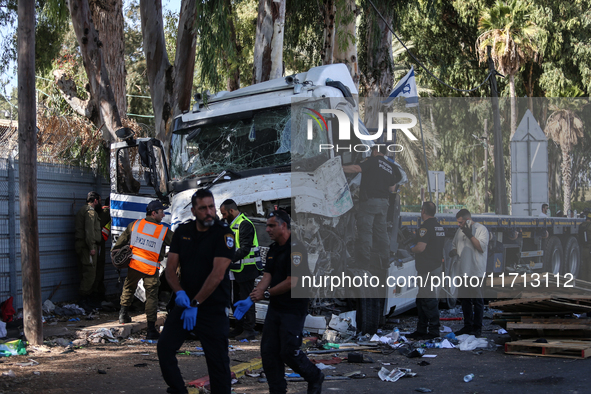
<point x="147" y="239"/>
<point x="88" y="235"/>
<point x="379" y="177"/>
<point x="244" y="268"/>
<point x="585" y="242"/>
<point x="286" y="264"/>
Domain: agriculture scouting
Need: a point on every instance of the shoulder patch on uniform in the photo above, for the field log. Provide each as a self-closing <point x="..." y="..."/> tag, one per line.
<point x="229" y="240"/>
<point x="422" y="232"/>
<point x="296" y="258"/>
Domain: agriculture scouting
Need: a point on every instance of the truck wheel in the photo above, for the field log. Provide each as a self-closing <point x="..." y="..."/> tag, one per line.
<point x="572" y="257"/>
<point x="369" y="312"/>
<point x="553" y="255"/>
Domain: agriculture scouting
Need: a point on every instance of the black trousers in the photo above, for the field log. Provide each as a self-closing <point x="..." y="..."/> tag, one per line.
<point x="282" y="338"/>
<point x="212" y="329"/>
<point x="241" y="290"/>
<point x="427" y="309"/>
<point x="473" y="309"/>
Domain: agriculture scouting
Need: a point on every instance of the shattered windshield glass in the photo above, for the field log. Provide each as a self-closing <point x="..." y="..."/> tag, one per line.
<point x="256" y="140"/>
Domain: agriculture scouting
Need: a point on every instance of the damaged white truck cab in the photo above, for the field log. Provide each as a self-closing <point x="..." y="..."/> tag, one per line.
<point x="241" y="146"/>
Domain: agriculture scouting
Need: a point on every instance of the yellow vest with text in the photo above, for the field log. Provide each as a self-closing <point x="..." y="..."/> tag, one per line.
<point x="146" y="242"/>
<point x="254" y="256"/>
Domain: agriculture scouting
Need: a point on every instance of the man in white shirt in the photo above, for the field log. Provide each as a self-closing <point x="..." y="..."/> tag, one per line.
<point x="470" y="244"/>
<point x="544" y="213"/>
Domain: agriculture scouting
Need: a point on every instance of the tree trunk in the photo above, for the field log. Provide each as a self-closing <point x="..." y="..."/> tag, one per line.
<point x="329" y="32"/>
<point x="513" y="106"/>
<point x="108" y="20"/>
<point x="101" y="106"/>
<point x="566" y="175"/>
<point x="233" y="65"/>
<point x="345" y="50"/>
<point x="184" y="63"/>
<point x="268" y="47"/>
<point x="27" y="145"/>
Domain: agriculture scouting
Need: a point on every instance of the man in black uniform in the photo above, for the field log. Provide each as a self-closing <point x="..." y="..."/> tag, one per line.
<point x="203" y="248"/>
<point x="244" y="266"/>
<point x="287" y="262"/>
<point x="379" y="178"/>
<point x="428" y="252"/>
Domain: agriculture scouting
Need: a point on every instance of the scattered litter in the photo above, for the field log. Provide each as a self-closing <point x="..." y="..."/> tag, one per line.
<point x="79" y="342"/>
<point x="74" y="319"/>
<point x="10" y="374"/>
<point x="322" y="366"/>
<point x="502" y="331"/>
<point x="386" y="363"/>
<point x="69" y="310"/>
<point x="102" y="333"/>
<point x="429" y="355"/>
<point x="28" y="364"/>
<point x="198" y="348"/>
<point x="395" y="374"/>
<point x="451" y="336"/>
<point x="234" y="381"/>
<point x="468" y="378"/>
<point x="149" y="341"/>
<point x="445" y="329"/>
<point x="424" y="390"/>
<point x="445" y="344"/>
<point x="253" y="375"/>
<point x="37" y="373"/>
<point x="48" y="307"/>
<point x="423" y="363"/>
<point x="470" y="342"/>
<point x="292" y="375"/>
<point x="67" y="351"/>
<point x="234" y="348"/>
<point x="102" y="372"/>
<point x="13" y="348"/>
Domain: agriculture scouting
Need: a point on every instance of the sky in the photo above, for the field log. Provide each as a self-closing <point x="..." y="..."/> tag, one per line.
<point x="172" y="5"/>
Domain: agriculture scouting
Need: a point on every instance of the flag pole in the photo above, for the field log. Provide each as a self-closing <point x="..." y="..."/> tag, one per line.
<point x="424" y="152"/>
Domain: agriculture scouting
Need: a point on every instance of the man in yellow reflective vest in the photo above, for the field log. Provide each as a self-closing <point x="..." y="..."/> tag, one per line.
<point x="245" y="266"/>
<point x="147" y="239"/>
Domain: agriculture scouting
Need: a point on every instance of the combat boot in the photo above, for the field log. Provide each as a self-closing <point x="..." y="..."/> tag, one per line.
<point x="152" y="331"/>
<point x="124" y="316"/>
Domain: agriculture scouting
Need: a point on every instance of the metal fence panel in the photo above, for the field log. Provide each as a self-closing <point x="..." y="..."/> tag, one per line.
<point x="61" y="191"/>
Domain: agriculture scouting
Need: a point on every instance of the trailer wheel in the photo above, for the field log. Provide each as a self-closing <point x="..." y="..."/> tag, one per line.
<point x="553" y="255"/>
<point x="572" y="257"/>
<point x="369" y="314"/>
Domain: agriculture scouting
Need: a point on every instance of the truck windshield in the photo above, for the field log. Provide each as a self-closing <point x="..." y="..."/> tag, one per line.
<point x="261" y="139"/>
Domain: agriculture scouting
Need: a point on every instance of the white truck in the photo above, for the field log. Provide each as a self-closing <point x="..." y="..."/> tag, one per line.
<point x="240" y="145"/>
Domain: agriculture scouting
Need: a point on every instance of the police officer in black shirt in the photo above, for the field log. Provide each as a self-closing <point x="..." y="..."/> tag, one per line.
<point x="203" y="249"/>
<point x="428" y="252"/>
<point x="379" y="177"/>
<point x="287" y="262"/>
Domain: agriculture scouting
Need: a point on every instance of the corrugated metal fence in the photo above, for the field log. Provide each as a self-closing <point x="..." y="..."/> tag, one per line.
<point x="61" y="191"/>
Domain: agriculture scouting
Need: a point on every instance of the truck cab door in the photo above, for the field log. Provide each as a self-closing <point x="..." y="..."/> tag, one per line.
<point x="139" y="174"/>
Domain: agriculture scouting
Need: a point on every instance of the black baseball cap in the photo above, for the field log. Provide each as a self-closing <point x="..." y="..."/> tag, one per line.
<point x="281" y="215"/>
<point x="154" y="206"/>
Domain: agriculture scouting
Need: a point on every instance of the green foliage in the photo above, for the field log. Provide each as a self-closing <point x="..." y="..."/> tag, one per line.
<point x="303" y="40"/>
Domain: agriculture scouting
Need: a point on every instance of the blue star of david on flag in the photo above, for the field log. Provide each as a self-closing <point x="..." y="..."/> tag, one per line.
<point x="407" y="88"/>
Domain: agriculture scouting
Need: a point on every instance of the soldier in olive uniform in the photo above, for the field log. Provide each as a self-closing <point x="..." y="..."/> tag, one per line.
<point x="98" y="288"/>
<point x="88" y="236"/>
<point x="585" y="242"/>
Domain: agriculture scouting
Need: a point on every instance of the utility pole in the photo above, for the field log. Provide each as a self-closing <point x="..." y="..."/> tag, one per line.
<point x="500" y="187"/>
<point x="27" y="146"/>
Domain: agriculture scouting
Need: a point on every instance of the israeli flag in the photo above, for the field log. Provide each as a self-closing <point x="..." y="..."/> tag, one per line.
<point x="407" y="88"/>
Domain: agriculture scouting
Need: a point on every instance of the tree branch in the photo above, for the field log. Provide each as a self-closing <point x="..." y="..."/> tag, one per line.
<point x="67" y="86"/>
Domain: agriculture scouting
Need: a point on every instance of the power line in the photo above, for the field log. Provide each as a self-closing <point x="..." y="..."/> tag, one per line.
<point x="421" y="64"/>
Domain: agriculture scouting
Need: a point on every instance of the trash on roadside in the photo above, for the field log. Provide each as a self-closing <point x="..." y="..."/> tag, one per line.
<point x="354" y="375"/>
<point x="423" y="363"/>
<point x="253" y="375"/>
<point x="424" y="390"/>
<point x="102" y="372"/>
<point x="48" y="306"/>
<point x="344" y="323"/>
<point x="13" y="348"/>
<point x="234" y="381"/>
<point x="468" y="378"/>
<point x="445" y="329"/>
<point x="10" y="374"/>
<point x="322" y="366"/>
<point x="152" y="341"/>
<point x="102" y="333"/>
<point x="470" y="342"/>
<point x="429" y="355"/>
<point x="395" y="374"/>
<point x="501" y="331"/>
<point x="27" y="364"/>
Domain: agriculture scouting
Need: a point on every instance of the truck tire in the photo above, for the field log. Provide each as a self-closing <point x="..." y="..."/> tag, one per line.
<point x="572" y="257"/>
<point x="553" y="255"/>
<point x="369" y="314"/>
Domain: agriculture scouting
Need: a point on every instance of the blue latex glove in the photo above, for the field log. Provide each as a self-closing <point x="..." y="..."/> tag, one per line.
<point x="242" y="307"/>
<point x="189" y="318"/>
<point x="182" y="299"/>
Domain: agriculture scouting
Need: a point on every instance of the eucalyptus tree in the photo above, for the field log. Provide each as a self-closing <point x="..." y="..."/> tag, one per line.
<point x="268" y="50"/>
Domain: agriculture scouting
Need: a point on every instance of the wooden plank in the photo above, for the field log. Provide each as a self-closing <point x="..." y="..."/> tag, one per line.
<point x="554" y="348"/>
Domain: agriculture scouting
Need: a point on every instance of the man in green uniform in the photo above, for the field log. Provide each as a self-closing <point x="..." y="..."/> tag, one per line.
<point x="88" y="235"/>
<point x="98" y="288"/>
<point x="585" y="242"/>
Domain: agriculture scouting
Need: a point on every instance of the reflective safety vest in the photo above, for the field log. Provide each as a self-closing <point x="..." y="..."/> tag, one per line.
<point x="254" y="257"/>
<point x="106" y="231"/>
<point x="146" y="242"/>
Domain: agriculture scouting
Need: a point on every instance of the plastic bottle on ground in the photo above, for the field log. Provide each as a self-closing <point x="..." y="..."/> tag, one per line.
<point x="468" y="378"/>
<point x="395" y="335"/>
